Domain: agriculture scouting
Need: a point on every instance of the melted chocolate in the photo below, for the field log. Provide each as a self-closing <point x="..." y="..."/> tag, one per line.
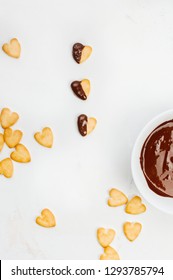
<point x="78" y="90"/>
<point x="157" y="159"/>
<point x="82" y="124"/>
<point x="77" y="51"/>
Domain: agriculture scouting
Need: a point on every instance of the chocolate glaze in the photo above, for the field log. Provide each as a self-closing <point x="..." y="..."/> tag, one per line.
<point x="157" y="159"/>
<point x="78" y="90"/>
<point x="82" y="124"/>
<point x="77" y="51"/>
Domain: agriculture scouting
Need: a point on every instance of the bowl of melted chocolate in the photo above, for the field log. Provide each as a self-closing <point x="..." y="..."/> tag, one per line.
<point x="152" y="162"/>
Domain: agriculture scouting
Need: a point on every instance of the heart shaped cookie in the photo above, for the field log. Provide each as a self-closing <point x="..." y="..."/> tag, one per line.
<point x="81" y="52"/>
<point x="86" y="125"/>
<point x="47" y="219"/>
<point x="81" y="88"/>
<point x="12" y="49"/>
<point x="21" y="154"/>
<point x="109" y="254"/>
<point x="135" y="206"/>
<point x="8" y="118"/>
<point x="1" y="141"/>
<point x="12" y="137"/>
<point x="132" y="230"/>
<point x="45" y="138"/>
<point x="105" y="236"/>
<point x="6" y="167"/>
<point x="117" y="198"/>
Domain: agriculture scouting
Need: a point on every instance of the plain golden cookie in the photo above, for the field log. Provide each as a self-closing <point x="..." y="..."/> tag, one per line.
<point x="1" y="141"/>
<point x="8" y="118"/>
<point x="117" y="198"/>
<point x="47" y="219"/>
<point x="105" y="236"/>
<point x="12" y="137"/>
<point x="12" y="49"/>
<point x="6" y="167"/>
<point x="109" y="254"/>
<point x="21" y="154"/>
<point x="132" y="230"/>
<point x="45" y="138"/>
<point x="135" y="206"/>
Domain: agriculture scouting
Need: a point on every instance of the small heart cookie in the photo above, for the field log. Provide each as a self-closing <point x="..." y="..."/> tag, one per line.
<point x="135" y="206"/>
<point x="12" y="137"/>
<point x="21" y="154"/>
<point x="44" y="138"/>
<point x="86" y="125"/>
<point x="12" y="49"/>
<point x="109" y="254"/>
<point x="8" y="118"/>
<point x="105" y="236"/>
<point x="81" y="52"/>
<point x="47" y="219"/>
<point x="132" y="230"/>
<point x="6" y="167"/>
<point x="117" y="198"/>
<point x="1" y="141"/>
<point x="81" y="88"/>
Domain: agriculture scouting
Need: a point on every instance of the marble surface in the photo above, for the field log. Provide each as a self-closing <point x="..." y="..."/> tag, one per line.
<point x="131" y="73"/>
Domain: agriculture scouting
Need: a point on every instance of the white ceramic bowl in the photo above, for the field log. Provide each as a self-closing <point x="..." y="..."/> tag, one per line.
<point x="163" y="203"/>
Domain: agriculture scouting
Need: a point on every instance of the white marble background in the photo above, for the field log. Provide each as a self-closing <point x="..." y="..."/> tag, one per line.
<point x="131" y="73"/>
